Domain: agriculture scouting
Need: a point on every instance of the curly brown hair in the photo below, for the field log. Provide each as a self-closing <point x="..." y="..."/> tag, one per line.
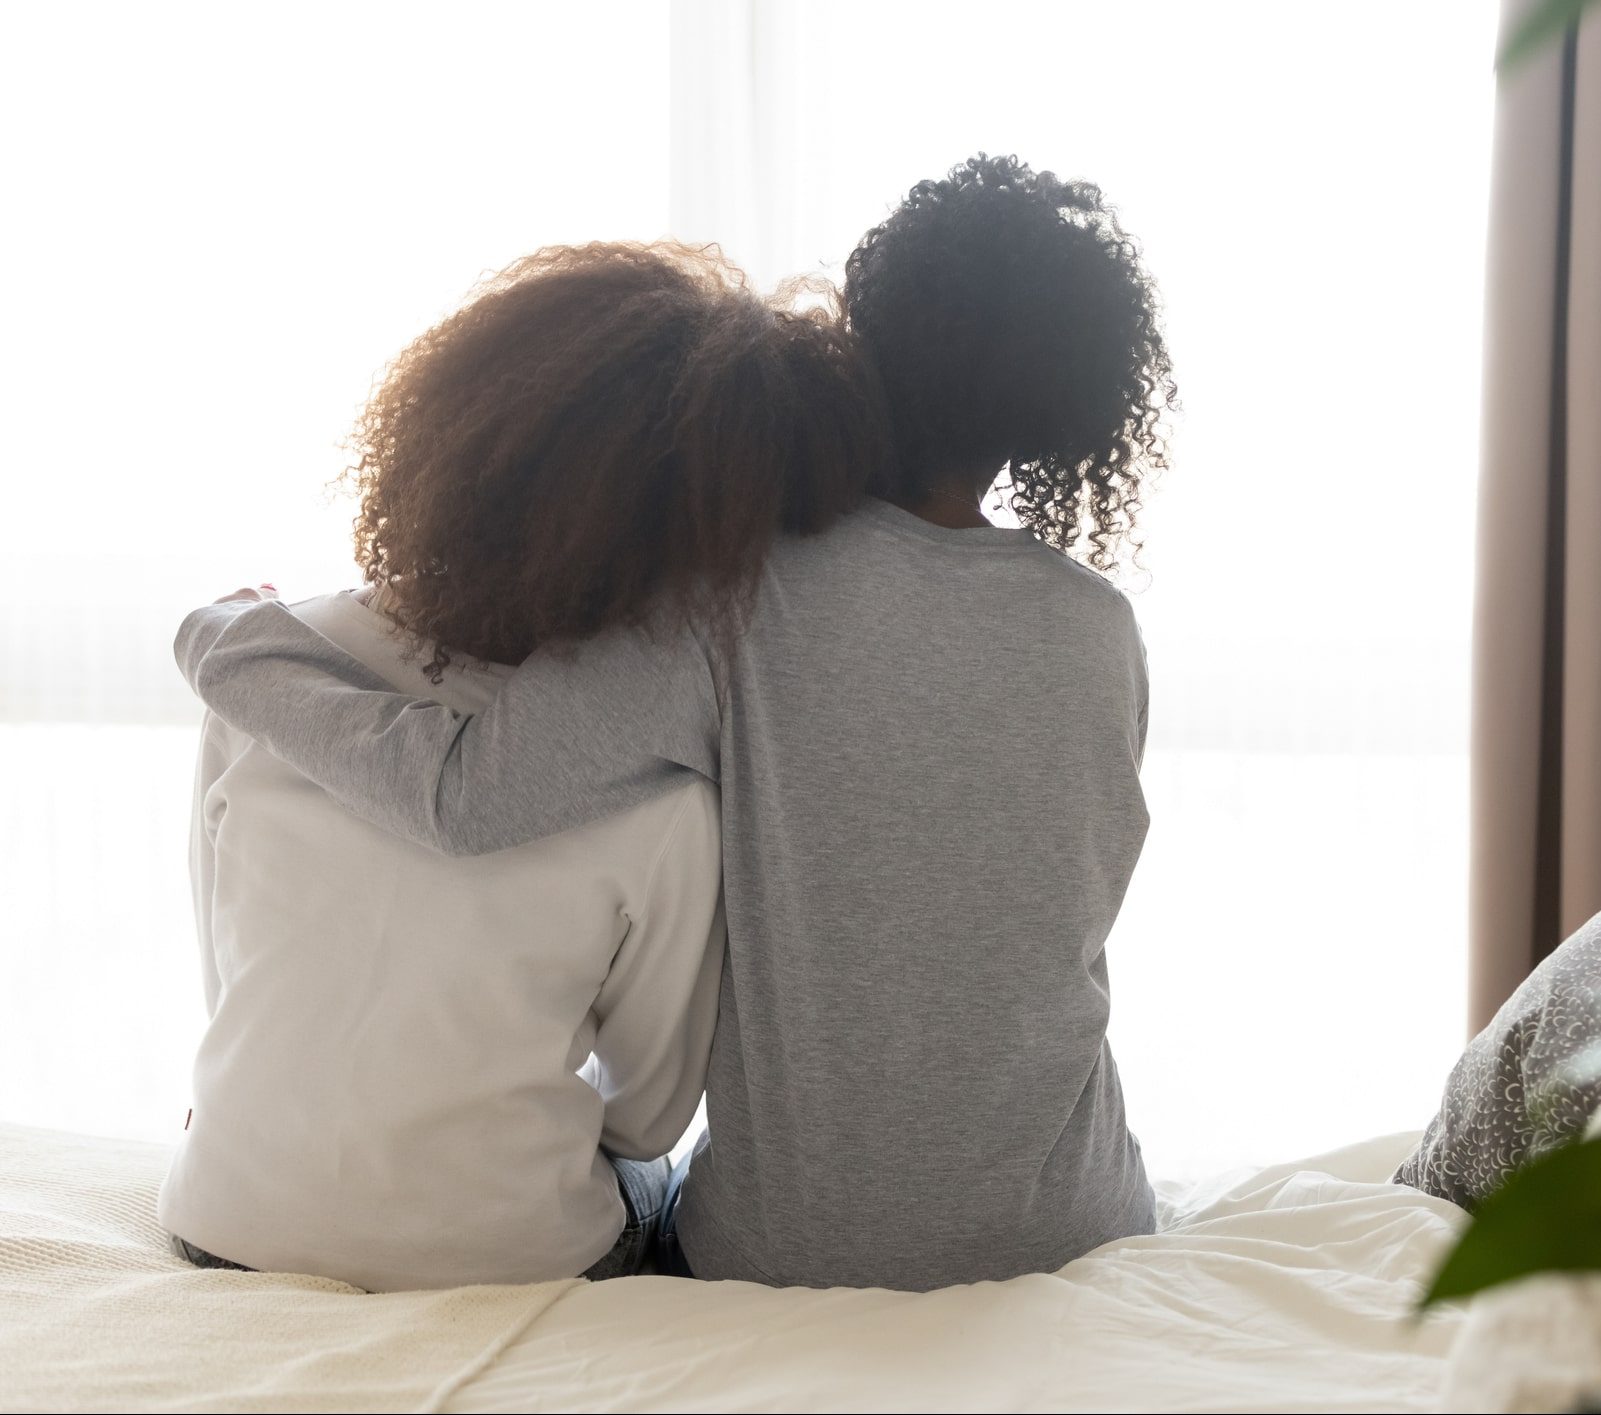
<point x="1014" y="328"/>
<point x="603" y="436"/>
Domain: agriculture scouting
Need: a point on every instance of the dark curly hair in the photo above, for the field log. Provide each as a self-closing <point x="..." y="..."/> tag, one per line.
<point x="1014" y="328"/>
<point x="605" y="435"/>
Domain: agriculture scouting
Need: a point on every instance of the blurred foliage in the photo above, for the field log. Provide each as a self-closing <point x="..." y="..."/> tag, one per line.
<point x="1546" y="1218"/>
<point x="1539" y="27"/>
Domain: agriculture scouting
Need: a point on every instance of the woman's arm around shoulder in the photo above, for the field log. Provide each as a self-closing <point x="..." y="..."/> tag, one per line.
<point x="566" y="741"/>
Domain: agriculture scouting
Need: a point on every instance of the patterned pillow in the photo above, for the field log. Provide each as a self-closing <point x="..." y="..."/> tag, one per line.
<point x="1527" y="1083"/>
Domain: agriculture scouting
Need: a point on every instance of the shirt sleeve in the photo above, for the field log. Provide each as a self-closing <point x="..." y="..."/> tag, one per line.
<point x="569" y="739"/>
<point x="657" y="1009"/>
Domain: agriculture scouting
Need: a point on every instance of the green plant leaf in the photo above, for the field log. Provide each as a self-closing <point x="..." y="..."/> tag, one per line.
<point x="1545" y="1218"/>
<point x="1540" y="27"/>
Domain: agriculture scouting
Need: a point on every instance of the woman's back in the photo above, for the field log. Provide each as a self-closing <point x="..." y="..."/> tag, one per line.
<point x="388" y="1092"/>
<point x="932" y="810"/>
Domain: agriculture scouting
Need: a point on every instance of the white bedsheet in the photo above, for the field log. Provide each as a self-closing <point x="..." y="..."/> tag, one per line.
<point x="1286" y="1289"/>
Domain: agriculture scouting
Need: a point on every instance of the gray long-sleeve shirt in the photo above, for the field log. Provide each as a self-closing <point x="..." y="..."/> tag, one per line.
<point x="928" y="746"/>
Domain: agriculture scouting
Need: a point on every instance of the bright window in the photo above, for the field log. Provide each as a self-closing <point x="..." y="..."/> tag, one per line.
<point x="230" y="227"/>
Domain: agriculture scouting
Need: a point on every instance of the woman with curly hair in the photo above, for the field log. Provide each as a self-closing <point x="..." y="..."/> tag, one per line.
<point x="927" y="737"/>
<point x="388" y="1092"/>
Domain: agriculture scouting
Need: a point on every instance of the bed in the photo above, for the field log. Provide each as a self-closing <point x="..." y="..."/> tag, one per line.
<point x="1282" y="1289"/>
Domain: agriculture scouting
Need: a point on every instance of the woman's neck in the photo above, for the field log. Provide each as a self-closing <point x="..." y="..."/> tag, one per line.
<point x="951" y="513"/>
<point x="947" y="505"/>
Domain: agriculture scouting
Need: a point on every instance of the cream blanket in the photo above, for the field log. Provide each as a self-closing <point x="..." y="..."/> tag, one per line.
<point x="96" y="1314"/>
<point x="1276" y="1290"/>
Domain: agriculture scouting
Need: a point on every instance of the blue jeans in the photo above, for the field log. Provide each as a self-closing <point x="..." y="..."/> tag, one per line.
<point x="643" y="1185"/>
<point x="670" y="1259"/>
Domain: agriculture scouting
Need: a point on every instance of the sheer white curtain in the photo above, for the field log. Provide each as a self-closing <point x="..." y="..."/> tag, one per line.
<point x="230" y="228"/>
<point x="222" y="220"/>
